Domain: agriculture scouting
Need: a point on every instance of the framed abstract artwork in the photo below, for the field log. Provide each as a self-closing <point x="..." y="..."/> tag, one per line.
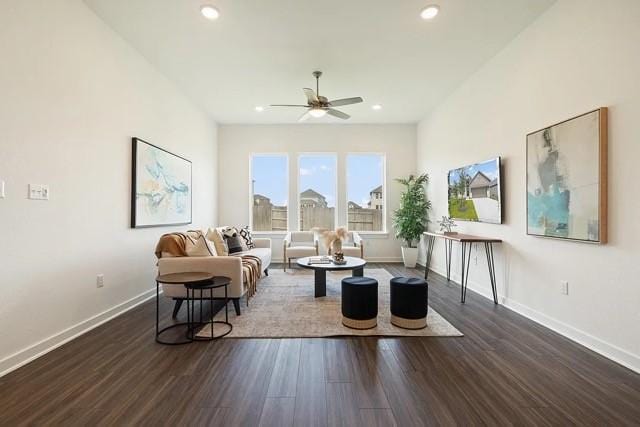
<point x="567" y="179"/>
<point x="161" y="192"/>
<point x="475" y="193"/>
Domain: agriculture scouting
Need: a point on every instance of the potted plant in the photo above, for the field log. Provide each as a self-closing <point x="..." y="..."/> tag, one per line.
<point x="446" y="226"/>
<point x="410" y="220"/>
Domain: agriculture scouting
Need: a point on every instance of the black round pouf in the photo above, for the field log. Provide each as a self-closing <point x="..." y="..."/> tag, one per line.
<point x="409" y="302"/>
<point x="359" y="302"/>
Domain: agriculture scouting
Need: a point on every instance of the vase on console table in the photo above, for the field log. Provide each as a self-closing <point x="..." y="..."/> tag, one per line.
<point x="446" y="224"/>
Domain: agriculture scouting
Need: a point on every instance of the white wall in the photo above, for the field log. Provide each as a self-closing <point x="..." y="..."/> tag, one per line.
<point x="237" y="142"/>
<point x="72" y="96"/>
<point x="579" y="55"/>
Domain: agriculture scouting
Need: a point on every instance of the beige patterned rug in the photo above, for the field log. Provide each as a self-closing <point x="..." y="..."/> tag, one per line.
<point x="285" y="307"/>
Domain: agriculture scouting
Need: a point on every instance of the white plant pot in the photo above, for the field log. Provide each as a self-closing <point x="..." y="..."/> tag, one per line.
<point x="409" y="256"/>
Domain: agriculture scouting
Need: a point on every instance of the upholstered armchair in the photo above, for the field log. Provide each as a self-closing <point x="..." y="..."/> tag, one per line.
<point x="353" y="245"/>
<point x="299" y="244"/>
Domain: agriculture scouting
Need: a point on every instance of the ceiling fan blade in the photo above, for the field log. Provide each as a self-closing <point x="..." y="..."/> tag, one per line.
<point x="312" y="98"/>
<point x="338" y="114"/>
<point x="345" y="101"/>
<point x="288" y="105"/>
<point x="305" y="116"/>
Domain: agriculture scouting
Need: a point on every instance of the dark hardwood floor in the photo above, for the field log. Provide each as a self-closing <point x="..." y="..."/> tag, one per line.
<point x="506" y="370"/>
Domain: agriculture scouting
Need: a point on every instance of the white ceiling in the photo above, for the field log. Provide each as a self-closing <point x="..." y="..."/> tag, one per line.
<point x="263" y="51"/>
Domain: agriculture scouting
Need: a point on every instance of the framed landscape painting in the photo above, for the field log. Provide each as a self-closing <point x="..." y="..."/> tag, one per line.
<point x="161" y="187"/>
<point x="567" y="179"/>
<point x="475" y="193"/>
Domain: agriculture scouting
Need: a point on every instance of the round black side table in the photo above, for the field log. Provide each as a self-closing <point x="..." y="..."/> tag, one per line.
<point x="215" y="283"/>
<point x="177" y="279"/>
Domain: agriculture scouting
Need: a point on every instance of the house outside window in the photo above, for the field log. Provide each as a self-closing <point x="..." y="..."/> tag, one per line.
<point x="317" y="191"/>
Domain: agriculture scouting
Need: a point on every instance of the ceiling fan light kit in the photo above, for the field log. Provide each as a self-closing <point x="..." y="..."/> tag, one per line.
<point x="317" y="112"/>
<point x="209" y="12"/>
<point x="318" y="106"/>
<point x="430" y="12"/>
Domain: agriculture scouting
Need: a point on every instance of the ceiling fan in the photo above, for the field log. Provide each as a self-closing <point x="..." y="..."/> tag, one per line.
<point x="317" y="105"/>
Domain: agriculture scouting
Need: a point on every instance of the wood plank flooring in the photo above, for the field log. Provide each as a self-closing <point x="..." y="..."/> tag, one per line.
<point x="506" y="370"/>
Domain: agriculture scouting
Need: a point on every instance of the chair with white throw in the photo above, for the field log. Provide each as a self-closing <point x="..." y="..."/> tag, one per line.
<point x="299" y="244"/>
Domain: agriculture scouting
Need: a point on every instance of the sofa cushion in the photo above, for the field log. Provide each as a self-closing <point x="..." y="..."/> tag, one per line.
<point x="235" y="244"/>
<point x="263" y="253"/>
<point x="198" y="246"/>
<point x="215" y="235"/>
<point x="245" y="233"/>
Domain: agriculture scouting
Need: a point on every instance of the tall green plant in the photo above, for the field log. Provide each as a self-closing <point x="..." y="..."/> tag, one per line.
<point x="410" y="220"/>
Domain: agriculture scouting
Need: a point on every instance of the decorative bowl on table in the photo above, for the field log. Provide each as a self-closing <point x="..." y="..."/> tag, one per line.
<point x="338" y="258"/>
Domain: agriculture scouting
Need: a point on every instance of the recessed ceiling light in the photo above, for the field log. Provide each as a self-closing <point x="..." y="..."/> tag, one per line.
<point x="259" y="108"/>
<point x="376" y="107"/>
<point x="210" y="12"/>
<point x="430" y="11"/>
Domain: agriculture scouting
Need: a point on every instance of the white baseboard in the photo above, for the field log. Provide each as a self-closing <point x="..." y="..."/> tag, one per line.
<point x="384" y="259"/>
<point x="604" y="348"/>
<point x="26" y="355"/>
<point x="369" y="259"/>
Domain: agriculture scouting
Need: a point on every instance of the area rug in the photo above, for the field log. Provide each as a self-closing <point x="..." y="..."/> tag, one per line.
<point x="284" y="307"/>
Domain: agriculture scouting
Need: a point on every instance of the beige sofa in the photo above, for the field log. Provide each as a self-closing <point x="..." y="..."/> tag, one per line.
<point x="228" y="266"/>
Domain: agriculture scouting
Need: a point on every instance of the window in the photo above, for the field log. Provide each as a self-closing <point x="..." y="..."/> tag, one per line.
<point x="269" y="192"/>
<point x="365" y="192"/>
<point x="317" y="187"/>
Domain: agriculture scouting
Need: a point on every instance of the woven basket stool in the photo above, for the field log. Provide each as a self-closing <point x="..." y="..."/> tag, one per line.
<point x="409" y="302"/>
<point x="359" y="302"/>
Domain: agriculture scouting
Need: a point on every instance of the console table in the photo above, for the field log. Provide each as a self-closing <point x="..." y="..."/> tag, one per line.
<point x="466" y="242"/>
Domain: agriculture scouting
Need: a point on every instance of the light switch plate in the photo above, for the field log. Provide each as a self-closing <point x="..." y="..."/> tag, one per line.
<point x="1" y="189"/>
<point x="38" y="192"/>
<point x="564" y="287"/>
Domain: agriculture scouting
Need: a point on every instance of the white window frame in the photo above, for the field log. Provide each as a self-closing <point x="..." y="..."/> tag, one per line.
<point x="335" y="183"/>
<point x="385" y="193"/>
<point x="269" y="154"/>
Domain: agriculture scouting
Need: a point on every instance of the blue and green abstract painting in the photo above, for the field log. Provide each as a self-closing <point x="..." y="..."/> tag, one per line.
<point x="563" y="180"/>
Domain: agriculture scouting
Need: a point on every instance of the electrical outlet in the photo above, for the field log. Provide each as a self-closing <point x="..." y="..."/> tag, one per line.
<point x="100" y="281"/>
<point x="564" y="287"/>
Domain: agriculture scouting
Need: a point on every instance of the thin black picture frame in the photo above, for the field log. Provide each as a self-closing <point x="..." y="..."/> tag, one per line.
<point x="134" y="168"/>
